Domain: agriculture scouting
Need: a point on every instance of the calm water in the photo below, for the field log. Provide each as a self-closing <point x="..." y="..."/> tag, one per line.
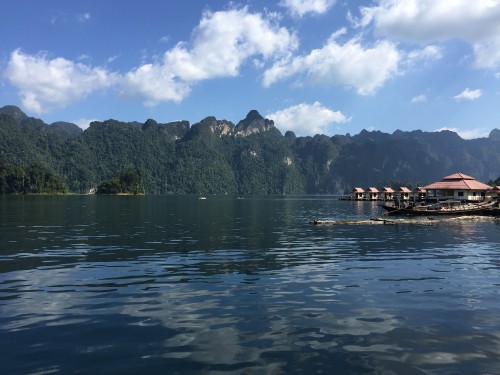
<point x="177" y="285"/>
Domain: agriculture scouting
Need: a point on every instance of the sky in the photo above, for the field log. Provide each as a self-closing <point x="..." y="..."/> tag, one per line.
<point x="313" y="66"/>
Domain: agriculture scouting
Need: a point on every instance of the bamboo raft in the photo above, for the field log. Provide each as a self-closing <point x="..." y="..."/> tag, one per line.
<point x="405" y="221"/>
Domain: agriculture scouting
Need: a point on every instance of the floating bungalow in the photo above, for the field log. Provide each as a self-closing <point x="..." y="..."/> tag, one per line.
<point x="374" y="194"/>
<point x="387" y="193"/>
<point x="403" y="194"/>
<point x="371" y="194"/>
<point x="458" y="186"/>
<point x="419" y="194"/>
<point x="357" y="194"/>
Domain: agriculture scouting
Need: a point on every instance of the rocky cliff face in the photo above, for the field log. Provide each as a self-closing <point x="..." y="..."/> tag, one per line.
<point x="495" y="135"/>
<point x="14" y="112"/>
<point x="254" y="123"/>
<point x="250" y="157"/>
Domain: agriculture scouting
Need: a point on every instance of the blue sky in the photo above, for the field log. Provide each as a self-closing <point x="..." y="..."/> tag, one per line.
<point x="312" y="66"/>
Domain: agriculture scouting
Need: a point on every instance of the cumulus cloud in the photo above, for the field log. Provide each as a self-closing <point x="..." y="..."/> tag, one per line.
<point x="427" y="21"/>
<point x="307" y="119"/>
<point x="222" y="43"/>
<point x="419" y="99"/>
<point x="468" y="134"/>
<point x="155" y="84"/>
<point x="224" y="40"/>
<point x="45" y="84"/>
<point x="351" y="64"/>
<point x="468" y="94"/>
<point x="301" y="7"/>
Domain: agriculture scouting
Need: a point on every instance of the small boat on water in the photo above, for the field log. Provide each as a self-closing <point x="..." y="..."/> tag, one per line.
<point x="442" y="208"/>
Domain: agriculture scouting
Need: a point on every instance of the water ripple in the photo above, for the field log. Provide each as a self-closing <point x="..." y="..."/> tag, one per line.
<point x="246" y="287"/>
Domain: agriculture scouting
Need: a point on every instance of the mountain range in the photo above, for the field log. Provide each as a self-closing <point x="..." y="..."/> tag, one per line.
<point x="251" y="157"/>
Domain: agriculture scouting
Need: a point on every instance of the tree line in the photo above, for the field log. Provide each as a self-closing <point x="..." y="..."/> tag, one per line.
<point x="218" y="157"/>
<point x="30" y="179"/>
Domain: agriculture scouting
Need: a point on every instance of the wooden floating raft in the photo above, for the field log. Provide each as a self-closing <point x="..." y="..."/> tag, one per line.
<point x="414" y="221"/>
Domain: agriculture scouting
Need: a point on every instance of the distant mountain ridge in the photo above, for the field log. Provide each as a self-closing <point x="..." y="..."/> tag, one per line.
<point x="61" y="127"/>
<point x="216" y="156"/>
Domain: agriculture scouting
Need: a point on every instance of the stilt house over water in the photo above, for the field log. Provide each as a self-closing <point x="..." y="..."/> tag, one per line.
<point x="458" y="186"/>
<point x="358" y="194"/>
<point x="419" y="194"/>
<point x="388" y="193"/>
<point x="372" y="194"/>
<point x="403" y="194"/>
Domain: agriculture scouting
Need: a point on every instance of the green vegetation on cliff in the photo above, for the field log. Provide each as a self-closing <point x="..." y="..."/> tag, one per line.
<point x="252" y="157"/>
<point x="29" y="179"/>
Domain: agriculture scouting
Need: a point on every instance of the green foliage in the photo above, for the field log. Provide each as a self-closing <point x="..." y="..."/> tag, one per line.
<point x="29" y="179"/>
<point x="217" y="157"/>
<point x="395" y="184"/>
<point x="494" y="182"/>
<point x="126" y="182"/>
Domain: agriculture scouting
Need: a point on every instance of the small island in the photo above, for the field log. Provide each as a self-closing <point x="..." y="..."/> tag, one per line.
<point x="128" y="182"/>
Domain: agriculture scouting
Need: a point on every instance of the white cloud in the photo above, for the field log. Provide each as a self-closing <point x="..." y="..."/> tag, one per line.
<point x="487" y="52"/>
<point x="468" y="94"/>
<point x="428" y="52"/>
<point x="112" y="59"/>
<point x="419" y="58"/>
<point x="419" y="99"/>
<point x="301" y="7"/>
<point x="44" y="84"/>
<point x="307" y="119"/>
<point x="222" y="43"/>
<point x="468" y="134"/>
<point x="164" y="39"/>
<point x="84" y="123"/>
<point x="155" y="84"/>
<point x="349" y="64"/>
<point x="83" y="17"/>
<point x="427" y="21"/>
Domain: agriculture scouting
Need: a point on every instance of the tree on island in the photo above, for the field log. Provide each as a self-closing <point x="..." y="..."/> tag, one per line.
<point x="30" y="179"/>
<point x="126" y="182"/>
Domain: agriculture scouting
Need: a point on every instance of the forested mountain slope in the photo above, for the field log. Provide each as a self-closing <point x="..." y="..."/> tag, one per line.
<point x="251" y="157"/>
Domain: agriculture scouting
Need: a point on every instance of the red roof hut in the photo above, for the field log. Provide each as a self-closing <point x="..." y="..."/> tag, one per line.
<point x="458" y="186"/>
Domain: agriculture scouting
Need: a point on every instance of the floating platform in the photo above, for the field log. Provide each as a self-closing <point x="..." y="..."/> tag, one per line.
<point x="405" y="221"/>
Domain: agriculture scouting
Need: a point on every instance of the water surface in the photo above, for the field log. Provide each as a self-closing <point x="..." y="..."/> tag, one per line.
<point x="177" y="285"/>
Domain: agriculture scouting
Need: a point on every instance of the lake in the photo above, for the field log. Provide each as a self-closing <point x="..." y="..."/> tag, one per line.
<point x="178" y="285"/>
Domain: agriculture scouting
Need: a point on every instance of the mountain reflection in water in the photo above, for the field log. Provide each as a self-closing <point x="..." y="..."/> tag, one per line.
<point x="169" y="284"/>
